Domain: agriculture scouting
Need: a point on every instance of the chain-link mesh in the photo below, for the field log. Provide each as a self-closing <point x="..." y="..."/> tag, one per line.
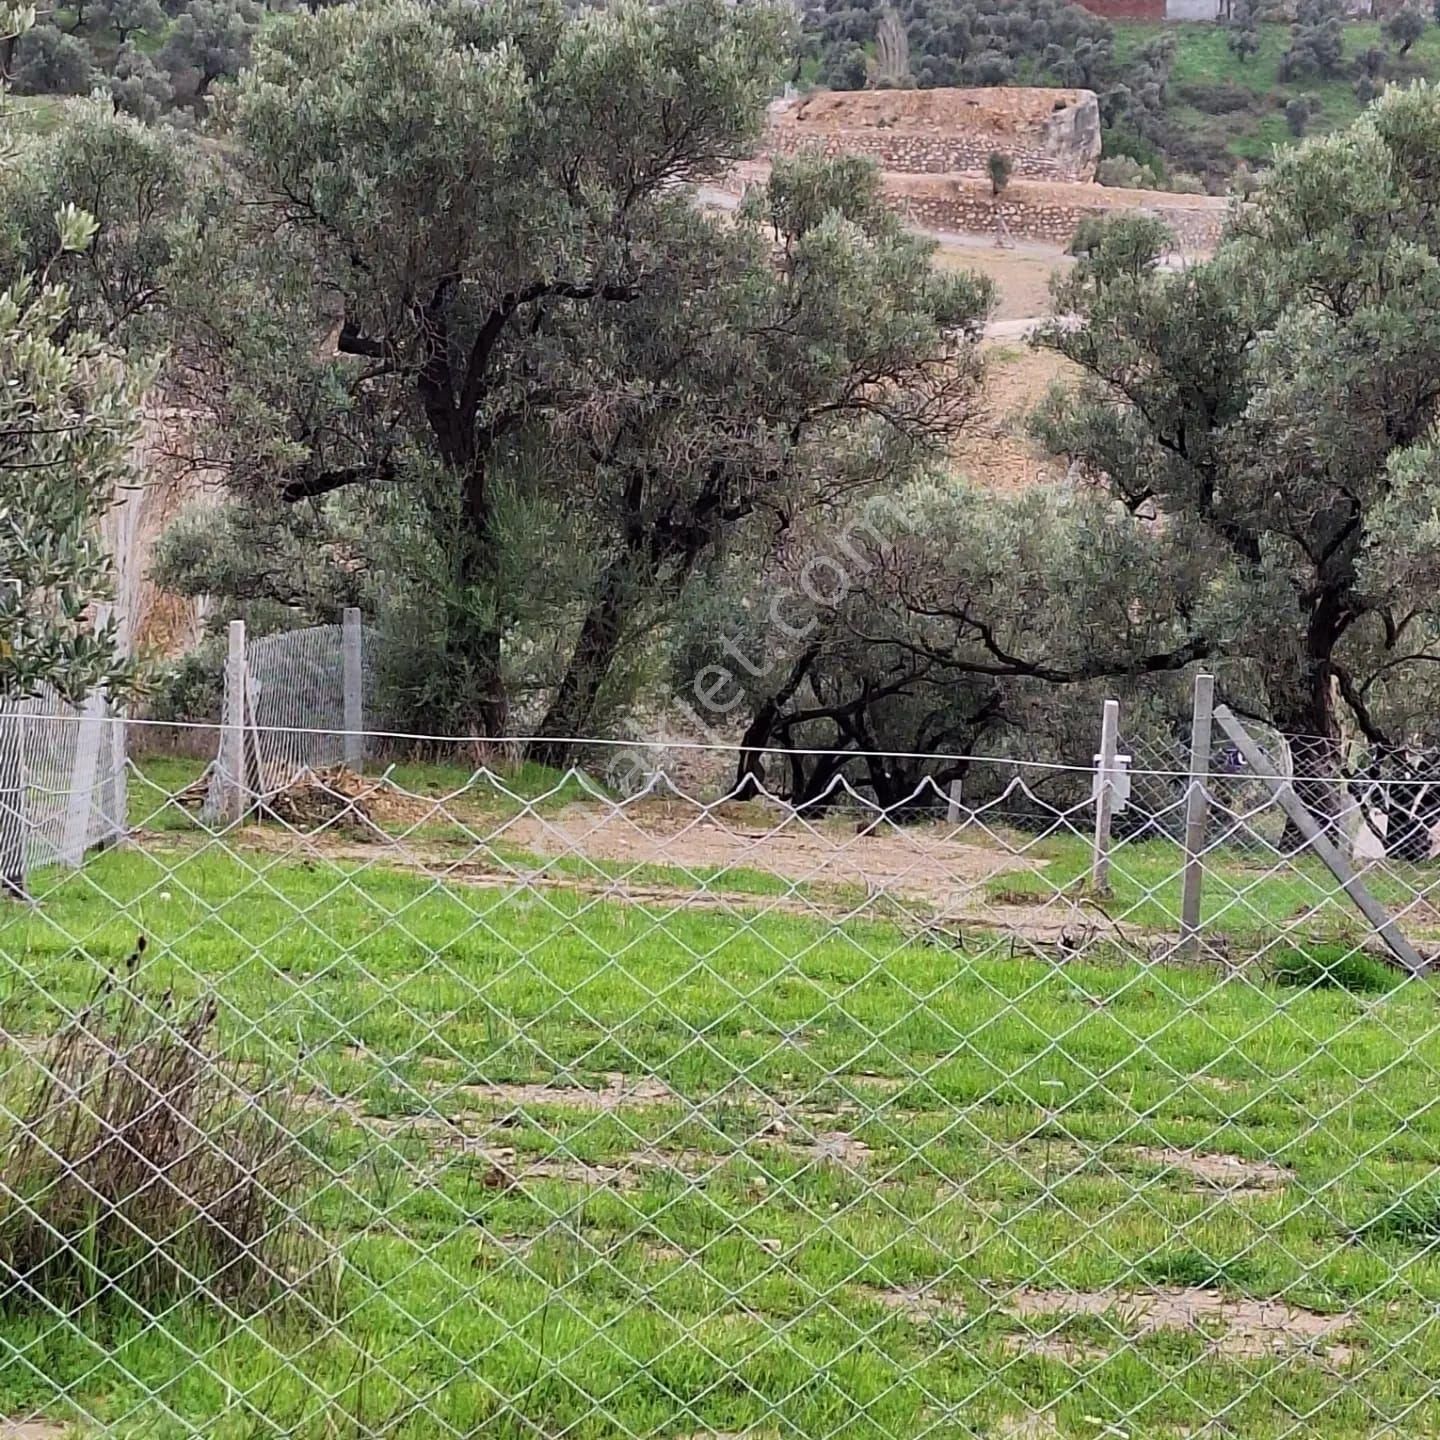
<point x="289" y="704"/>
<point x="62" y="783"/>
<point x="444" y="1103"/>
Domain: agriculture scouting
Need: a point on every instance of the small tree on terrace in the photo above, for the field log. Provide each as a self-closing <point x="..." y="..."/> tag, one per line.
<point x="126" y="17"/>
<point x="999" y="165"/>
<point x="1242" y="29"/>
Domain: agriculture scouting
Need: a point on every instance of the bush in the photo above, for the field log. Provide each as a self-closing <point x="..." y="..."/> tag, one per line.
<point x="139" y="1166"/>
<point x="1216" y="97"/>
<point x="1317" y="41"/>
<point x="1182" y="184"/>
<point x="1129" y="174"/>
<point x="1087" y="236"/>
<point x="999" y="165"/>
<point x="50" y="62"/>
<point x="1404" y="28"/>
<point x="191" y="689"/>
<point x="1368" y="89"/>
<point x="1297" y="114"/>
<point x="138" y="86"/>
<point x="845" y="69"/>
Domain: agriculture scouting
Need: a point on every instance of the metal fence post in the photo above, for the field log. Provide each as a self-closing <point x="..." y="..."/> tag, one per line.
<point x="1105" y="797"/>
<point x="1197" y="810"/>
<point x="232" y="737"/>
<point x="354" y="691"/>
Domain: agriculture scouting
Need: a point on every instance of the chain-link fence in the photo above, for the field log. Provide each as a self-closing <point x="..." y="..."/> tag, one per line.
<point x="444" y="1102"/>
<point x="62" y="783"/>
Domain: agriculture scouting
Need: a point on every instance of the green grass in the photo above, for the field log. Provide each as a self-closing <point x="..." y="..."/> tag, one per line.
<point x="736" y="1279"/>
<point x="1252" y="897"/>
<point x="1203" y="56"/>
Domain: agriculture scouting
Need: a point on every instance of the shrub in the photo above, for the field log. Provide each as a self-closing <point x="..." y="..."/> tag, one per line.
<point x="999" y="166"/>
<point x="50" y="62"/>
<point x="138" y="86"/>
<point x="1368" y="89"/>
<point x="1182" y="184"/>
<point x="139" y="1166"/>
<point x="1129" y="174"/>
<point x="1087" y="236"/>
<point x="1404" y="28"/>
<point x="1216" y="97"/>
<point x="1317" y="41"/>
<point x="1297" y="114"/>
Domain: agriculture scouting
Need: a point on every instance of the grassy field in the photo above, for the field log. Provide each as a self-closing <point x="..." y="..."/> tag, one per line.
<point x="874" y="1186"/>
<point x="1203" y="59"/>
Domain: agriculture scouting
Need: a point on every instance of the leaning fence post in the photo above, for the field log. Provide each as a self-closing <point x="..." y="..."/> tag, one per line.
<point x="1105" y="797"/>
<point x="353" y="669"/>
<point x="232" y="736"/>
<point x="1197" y="810"/>
<point x="1314" y="833"/>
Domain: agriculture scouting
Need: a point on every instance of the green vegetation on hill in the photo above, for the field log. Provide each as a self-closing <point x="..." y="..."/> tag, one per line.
<point x="1207" y="75"/>
<point x="1180" y="99"/>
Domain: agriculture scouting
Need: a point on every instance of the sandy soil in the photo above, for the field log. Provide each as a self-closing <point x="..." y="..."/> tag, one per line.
<point x="922" y="862"/>
<point x="1021" y="275"/>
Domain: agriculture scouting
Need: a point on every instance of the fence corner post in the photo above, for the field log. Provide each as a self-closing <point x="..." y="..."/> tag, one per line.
<point x="1105" y="797"/>
<point x="353" y="668"/>
<point x="1197" y="812"/>
<point x="232" y="737"/>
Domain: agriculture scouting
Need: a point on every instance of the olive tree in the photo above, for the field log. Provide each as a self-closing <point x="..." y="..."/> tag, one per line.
<point x="1264" y="403"/>
<point x="487" y="322"/>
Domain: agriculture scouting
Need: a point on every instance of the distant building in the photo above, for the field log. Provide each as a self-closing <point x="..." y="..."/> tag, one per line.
<point x="1158" y="9"/>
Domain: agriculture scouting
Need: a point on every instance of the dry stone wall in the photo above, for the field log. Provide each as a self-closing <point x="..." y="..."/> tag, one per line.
<point x="1036" y="210"/>
<point x="1048" y="134"/>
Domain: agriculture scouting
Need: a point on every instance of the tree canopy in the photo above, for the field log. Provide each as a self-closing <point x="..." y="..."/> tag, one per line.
<point x="547" y="371"/>
<point x="1274" y="408"/>
<point x="69" y="414"/>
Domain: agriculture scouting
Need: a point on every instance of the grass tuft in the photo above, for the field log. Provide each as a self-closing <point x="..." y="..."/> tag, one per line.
<point x="1333" y="967"/>
<point x="1413" y="1219"/>
<point x="1193" y="1268"/>
<point x="137" y="1165"/>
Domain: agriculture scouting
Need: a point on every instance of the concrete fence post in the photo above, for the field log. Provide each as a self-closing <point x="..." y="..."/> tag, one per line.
<point x="354" y="679"/>
<point x="1197" y="812"/>
<point x="232" y="735"/>
<point x="1105" y="796"/>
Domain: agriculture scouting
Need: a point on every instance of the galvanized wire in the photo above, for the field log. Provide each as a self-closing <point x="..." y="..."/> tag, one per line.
<point x="687" y="1115"/>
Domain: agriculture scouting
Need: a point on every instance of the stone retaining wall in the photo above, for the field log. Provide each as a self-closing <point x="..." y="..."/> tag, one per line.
<point x="1048" y="134"/>
<point x="1035" y="210"/>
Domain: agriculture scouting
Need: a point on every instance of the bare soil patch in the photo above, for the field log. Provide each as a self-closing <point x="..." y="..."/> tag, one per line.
<point x="1021" y="275"/>
<point x="923" y="861"/>
<point x="620" y="1090"/>
<point x="1237" y="1328"/>
<point x="1230" y="1173"/>
<point x="34" y="1430"/>
<point x="995" y="450"/>
<point x="916" y="1304"/>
